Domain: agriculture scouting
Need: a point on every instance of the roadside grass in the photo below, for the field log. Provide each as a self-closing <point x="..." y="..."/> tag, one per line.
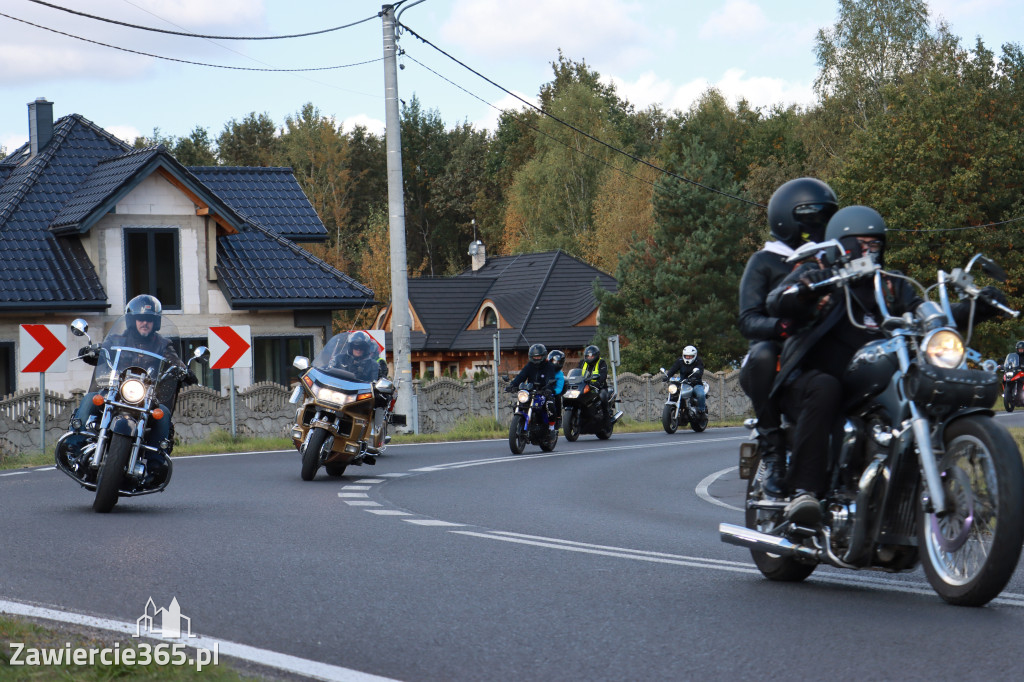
<point x="59" y="637"/>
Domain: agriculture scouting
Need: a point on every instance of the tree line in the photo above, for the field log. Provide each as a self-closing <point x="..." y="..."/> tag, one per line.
<point x="907" y="119"/>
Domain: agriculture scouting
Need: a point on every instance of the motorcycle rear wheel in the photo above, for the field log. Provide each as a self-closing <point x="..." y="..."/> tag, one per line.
<point x="549" y="443"/>
<point x="605" y="432"/>
<point x="669" y="421"/>
<point x="700" y="422"/>
<point x="970" y="554"/>
<point x="516" y="434"/>
<point x="311" y="454"/>
<point x="111" y="473"/>
<point x="335" y="470"/>
<point x="571" y="424"/>
<point x="772" y="566"/>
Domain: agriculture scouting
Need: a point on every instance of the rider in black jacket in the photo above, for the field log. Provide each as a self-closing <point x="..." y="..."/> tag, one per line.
<point x="690" y="367"/>
<point x="797" y="212"/>
<point x="541" y="373"/>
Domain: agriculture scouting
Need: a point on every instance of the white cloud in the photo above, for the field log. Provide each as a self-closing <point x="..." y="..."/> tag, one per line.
<point x="506" y="103"/>
<point x="12" y="142"/>
<point x="737" y="19"/>
<point x="124" y="132"/>
<point x="206" y="13"/>
<point x="734" y="85"/>
<point x="372" y="125"/>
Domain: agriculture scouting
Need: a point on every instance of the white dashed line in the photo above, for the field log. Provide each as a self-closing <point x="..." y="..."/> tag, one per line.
<point x="433" y="522"/>
<point x="361" y="503"/>
<point x="388" y="512"/>
<point x="363" y="495"/>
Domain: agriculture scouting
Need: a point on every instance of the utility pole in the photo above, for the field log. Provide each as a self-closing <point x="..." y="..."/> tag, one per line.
<point x="400" y="318"/>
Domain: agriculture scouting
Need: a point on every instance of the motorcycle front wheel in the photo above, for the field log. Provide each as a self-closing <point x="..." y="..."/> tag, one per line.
<point x="571" y="424"/>
<point x="970" y="554"/>
<point x="517" y="434"/>
<point x="772" y="566"/>
<point x="1008" y="399"/>
<point x="112" y="472"/>
<point x="669" y="421"/>
<point x="311" y="454"/>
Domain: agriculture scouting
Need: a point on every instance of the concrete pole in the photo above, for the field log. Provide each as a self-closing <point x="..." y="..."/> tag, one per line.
<point x="400" y="318"/>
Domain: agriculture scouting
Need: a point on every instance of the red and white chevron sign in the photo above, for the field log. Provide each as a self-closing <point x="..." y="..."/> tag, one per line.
<point x="230" y="347"/>
<point x="43" y="347"/>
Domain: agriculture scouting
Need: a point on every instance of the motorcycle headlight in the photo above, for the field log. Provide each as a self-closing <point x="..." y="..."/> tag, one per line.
<point x="943" y="348"/>
<point x="673" y="389"/>
<point x="329" y="395"/>
<point x="133" y="391"/>
<point x="572" y="394"/>
<point x="524" y="396"/>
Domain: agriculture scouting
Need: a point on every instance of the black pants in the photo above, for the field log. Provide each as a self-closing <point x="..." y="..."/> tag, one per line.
<point x="813" y="400"/>
<point x="756" y="378"/>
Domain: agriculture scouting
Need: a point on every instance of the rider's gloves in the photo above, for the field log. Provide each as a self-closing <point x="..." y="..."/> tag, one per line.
<point x="510" y="389"/>
<point x="783" y="329"/>
<point x="805" y="293"/>
<point x="190" y="378"/>
<point x="664" y="380"/>
<point x="89" y="354"/>
<point x="993" y="295"/>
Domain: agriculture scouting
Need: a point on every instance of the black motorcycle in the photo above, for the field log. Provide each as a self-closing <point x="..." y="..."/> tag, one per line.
<point x="582" y="411"/>
<point x="110" y="451"/>
<point x="530" y="421"/>
<point x="921" y="470"/>
<point x="681" y="406"/>
<point x="1013" y="382"/>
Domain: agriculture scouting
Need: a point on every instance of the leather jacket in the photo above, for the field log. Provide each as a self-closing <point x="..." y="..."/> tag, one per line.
<point x="763" y="272"/>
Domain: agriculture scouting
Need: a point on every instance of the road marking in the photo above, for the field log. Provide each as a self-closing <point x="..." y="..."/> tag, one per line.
<point x="388" y="512"/>
<point x="370" y="480"/>
<point x="363" y="495"/>
<point x="361" y="503"/>
<point x="704" y="493"/>
<point x="433" y="522"/>
<point x="272" y="659"/>
<point x="356" y="487"/>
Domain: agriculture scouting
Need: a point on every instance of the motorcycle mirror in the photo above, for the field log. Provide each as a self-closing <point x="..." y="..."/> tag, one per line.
<point x="993" y="269"/>
<point x="79" y="327"/>
<point x="201" y="353"/>
<point x="301" y="363"/>
<point x="812" y="249"/>
<point x="990" y="366"/>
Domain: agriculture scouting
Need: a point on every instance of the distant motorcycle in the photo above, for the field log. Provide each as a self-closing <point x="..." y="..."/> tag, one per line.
<point x="681" y="406"/>
<point x="109" y="452"/>
<point x="530" y="421"/>
<point x="1013" y="382"/>
<point x="582" y="411"/>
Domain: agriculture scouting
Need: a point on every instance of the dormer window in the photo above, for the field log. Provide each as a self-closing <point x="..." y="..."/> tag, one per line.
<point x="151" y="265"/>
<point x="488" y="317"/>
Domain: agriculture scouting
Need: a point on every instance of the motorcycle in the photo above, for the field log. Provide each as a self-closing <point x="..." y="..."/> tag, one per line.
<point x="342" y="417"/>
<point x="681" y="406"/>
<point x="582" y="411"/>
<point x="921" y="472"/>
<point x="530" y="421"/>
<point x="1013" y="382"/>
<point x="109" y="451"/>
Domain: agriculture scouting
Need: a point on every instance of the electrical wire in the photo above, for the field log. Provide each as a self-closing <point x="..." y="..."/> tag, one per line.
<point x="198" y="35"/>
<point x="186" y="61"/>
<point x="958" y="229"/>
<point x="581" y="132"/>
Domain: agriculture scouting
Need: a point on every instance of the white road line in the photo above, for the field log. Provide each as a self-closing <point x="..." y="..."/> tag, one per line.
<point x="370" y="480"/>
<point x="704" y="493"/>
<point x="362" y="495"/>
<point x="388" y="512"/>
<point x="434" y="522"/>
<point x="356" y="487"/>
<point x="273" y="659"/>
<point x="361" y="503"/>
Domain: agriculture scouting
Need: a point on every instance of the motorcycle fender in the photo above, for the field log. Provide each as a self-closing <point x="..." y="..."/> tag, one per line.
<point x="124" y="426"/>
<point x="963" y="412"/>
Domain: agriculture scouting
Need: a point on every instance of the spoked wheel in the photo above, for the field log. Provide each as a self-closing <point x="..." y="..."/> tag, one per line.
<point x="700" y="422"/>
<point x="971" y="553"/>
<point x="669" y="420"/>
<point x="111" y="473"/>
<point x="571" y="424"/>
<point x="772" y="566"/>
<point x="549" y="443"/>
<point x="517" y="434"/>
<point x="311" y="454"/>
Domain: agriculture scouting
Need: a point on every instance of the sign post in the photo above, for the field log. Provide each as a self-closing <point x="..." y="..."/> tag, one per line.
<point x="613" y="359"/>
<point x="497" y="362"/>
<point x="230" y="347"/>
<point x="43" y="349"/>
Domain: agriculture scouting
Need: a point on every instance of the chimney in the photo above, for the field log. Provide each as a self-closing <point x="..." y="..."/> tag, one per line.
<point x="40" y="124"/>
<point x="478" y="253"/>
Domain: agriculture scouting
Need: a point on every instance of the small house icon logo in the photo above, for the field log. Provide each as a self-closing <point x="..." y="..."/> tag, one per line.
<point x="171" y="622"/>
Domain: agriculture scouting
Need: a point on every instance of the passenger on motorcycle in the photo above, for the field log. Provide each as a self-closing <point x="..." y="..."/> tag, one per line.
<point x="797" y="213"/>
<point x="556" y="359"/>
<point x="690" y="368"/>
<point x="597" y="369"/>
<point x="814" y="359"/>
<point x="542" y="374"/>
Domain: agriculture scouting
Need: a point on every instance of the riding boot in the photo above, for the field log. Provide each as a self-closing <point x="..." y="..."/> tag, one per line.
<point x="774" y="443"/>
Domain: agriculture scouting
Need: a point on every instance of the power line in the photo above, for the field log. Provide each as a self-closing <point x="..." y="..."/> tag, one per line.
<point x="198" y="35"/>
<point x="958" y="229"/>
<point x="186" y="61"/>
<point x="581" y="132"/>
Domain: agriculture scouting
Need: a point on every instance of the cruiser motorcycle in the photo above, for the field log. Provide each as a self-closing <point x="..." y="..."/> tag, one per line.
<point x="343" y="416"/>
<point x="530" y="421"/>
<point x="1013" y="382"/>
<point x="681" y="406"/>
<point x="110" y="450"/>
<point x="921" y="471"/>
<point x="581" y="409"/>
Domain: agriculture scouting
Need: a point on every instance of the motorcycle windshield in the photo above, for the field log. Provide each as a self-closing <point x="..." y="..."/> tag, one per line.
<point x="151" y="347"/>
<point x="1011" y="361"/>
<point x="348" y="356"/>
<point x="574" y="377"/>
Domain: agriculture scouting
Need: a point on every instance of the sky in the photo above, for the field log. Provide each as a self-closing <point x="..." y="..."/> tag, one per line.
<point x="664" y="52"/>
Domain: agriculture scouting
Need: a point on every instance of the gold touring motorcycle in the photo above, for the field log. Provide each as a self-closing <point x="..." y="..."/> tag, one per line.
<point x="921" y="470"/>
<point x="342" y="418"/>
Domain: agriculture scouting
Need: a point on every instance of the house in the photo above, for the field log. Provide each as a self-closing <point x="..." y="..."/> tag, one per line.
<point x="525" y="299"/>
<point x="87" y="222"/>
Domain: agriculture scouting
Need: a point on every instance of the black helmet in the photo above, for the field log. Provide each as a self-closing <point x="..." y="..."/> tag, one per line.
<point x="591" y="354"/>
<point x="143" y="307"/>
<point x="798" y="206"/>
<point x="538" y="353"/>
<point x="857" y="221"/>
<point x="1020" y="347"/>
<point x="359" y="341"/>
<point x="556" y="358"/>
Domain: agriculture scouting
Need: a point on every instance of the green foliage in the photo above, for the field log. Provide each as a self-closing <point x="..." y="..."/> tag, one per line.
<point x="251" y="142"/>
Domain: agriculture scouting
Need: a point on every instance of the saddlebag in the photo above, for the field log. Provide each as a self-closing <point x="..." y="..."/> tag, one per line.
<point x="954" y="387"/>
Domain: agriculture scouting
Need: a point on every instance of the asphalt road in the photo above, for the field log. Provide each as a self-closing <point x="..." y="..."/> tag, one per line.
<point x="459" y="561"/>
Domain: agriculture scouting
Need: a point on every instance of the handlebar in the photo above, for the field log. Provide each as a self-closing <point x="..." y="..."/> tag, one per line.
<point x="855" y="269"/>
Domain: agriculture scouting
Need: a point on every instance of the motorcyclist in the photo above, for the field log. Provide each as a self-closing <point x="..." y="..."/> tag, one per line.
<point x="814" y="359"/>
<point x="556" y="359"/>
<point x="142" y="323"/>
<point x="541" y="374"/>
<point x="690" y="368"/>
<point x="595" y="373"/>
<point x="797" y="213"/>
<point x="357" y="356"/>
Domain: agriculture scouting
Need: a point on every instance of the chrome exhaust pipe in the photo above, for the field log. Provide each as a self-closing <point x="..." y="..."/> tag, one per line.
<point x="762" y="542"/>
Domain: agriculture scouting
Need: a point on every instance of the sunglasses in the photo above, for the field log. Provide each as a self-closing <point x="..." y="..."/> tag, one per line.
<point x="872" y="245"/>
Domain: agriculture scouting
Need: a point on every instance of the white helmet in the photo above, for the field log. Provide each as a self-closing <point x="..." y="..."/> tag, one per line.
<point x="689" y="354"/>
